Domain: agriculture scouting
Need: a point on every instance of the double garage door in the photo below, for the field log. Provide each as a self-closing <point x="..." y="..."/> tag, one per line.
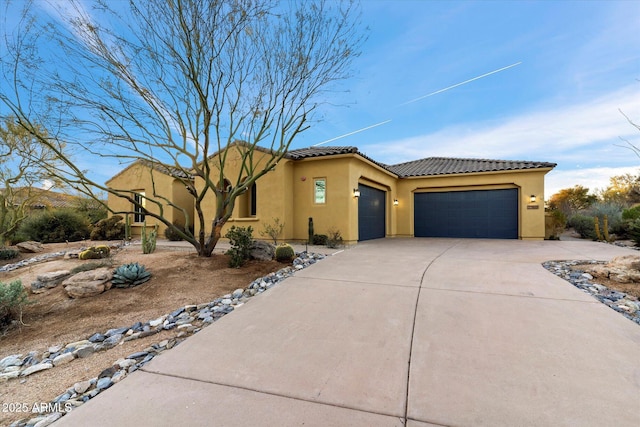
<point x="491" y="214"/>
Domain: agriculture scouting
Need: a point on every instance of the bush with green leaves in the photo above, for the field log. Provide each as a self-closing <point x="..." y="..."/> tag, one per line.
<point x="55" y="226"/>
<point x="13" y="298"/>
<point x="583" y="225"/>
<point x="172" y="235"/>
<point x="241" y="242"/>
<point x="284" y="253"/>
<point x="111" y="228"/>
<point x="319" y="239"/>
<point x="634" y="231"/>
<point x="8" y="253"/>
<point x="130" y="275"/>
<point x="631" y="214"/>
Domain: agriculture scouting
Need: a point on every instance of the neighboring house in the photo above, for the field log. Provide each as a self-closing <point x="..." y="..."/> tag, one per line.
<point x="35" y="199"/>
<point x="143" y="178"/>
<point x="343" y="189"/>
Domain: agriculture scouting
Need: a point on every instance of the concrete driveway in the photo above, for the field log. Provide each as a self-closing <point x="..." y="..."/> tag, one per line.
<point x="394" y="332"/>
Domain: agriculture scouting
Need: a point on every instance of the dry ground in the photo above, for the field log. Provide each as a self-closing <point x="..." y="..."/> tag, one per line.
<point x="179" y="278"/>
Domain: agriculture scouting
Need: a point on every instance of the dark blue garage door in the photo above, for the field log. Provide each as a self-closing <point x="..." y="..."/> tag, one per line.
<point x="491" y="214"/>
<point x="371" y="213"/>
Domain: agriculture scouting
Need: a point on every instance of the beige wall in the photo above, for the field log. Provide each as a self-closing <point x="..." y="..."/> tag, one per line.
<point x="138" y="177"/>
<point x="287" y="193"/>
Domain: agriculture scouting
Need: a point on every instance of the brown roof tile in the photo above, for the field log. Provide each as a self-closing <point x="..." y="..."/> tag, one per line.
<point x="446" y="166"/>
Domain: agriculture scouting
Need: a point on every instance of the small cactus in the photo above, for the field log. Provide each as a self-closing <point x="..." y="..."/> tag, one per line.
<point x="95" y="252"/>
<point x="130" y="275"/>
<point x="284" y="253"/>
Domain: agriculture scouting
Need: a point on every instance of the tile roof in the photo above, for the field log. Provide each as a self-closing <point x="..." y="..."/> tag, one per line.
<point x="303" y="153"/>
<point x="425" y="167"/>
<point x="446" y="165"/>
<point x="168" y="170"/>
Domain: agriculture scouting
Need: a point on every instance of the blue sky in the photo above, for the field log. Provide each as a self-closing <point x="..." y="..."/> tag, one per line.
<point x="567" y="68"/>
<point x="578" y="64"/>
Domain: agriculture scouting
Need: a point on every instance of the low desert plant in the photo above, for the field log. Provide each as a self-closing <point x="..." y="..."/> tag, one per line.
<point x="334" y="238"/>
<point x="111" y="228"/>
<point x="583" y="225"/>
<point x="241" y="242"/>
<point x="284" y="253"/>
<point x="13" y="298"/>
<point x="95" y="252"/>
<point x="8" y="253"/>
<point x="273" y="230"/>
<point x="54" y="227"/>
<point x="631" y="213"/>
<point x="130" y="275"/>
<point x="319" y="239"/>
<point x="634" y="231"/>
<point x="149" y="240"/>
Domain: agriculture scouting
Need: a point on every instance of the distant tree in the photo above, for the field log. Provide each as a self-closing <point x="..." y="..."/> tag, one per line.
<point x="173" y="82"/>
<point x="21" y="171"/>
<point x="623" y="190"/>
<point x="570" y="200"/>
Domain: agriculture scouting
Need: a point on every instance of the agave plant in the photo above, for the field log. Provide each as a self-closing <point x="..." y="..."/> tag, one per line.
<point x="129" y="275"/>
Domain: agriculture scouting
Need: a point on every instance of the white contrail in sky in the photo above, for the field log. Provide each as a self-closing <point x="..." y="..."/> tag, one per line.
<point x="460" y="84"/>
<point x="351" y="133"/>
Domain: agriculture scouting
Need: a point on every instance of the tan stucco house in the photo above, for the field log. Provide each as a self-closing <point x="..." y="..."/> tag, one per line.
<point x="343" y="189"/>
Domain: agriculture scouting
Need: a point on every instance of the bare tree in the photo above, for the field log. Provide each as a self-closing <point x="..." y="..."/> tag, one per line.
<point x="629" y="145"/>
<point x="173" y="82"/>
<point x="19" y="174"/>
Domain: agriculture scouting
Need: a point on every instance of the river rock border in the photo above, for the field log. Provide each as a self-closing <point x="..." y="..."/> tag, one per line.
<point x="188" y="320"/>
<point x="625" y="304"/>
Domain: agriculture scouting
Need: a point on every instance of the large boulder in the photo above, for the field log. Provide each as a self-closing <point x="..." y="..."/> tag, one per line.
<point x="30" y="247"/>
<point x="622" y="269"/>
<point x="262" y="251"/>
<point x="88" y="283"/>
<point x="49" y="280"/>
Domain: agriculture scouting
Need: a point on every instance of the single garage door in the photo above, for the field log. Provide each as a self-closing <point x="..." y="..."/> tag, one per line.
<point x="371" y="213"/>
<point x="491" y="214"/>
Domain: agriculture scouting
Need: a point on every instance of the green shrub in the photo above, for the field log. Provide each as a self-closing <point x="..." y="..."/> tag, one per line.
<point x="172" y="235"/>
<point x="284" y="253"/>
<point x="631" y="213"/>
<point x="583" y="225"/>
<point x="130" y="275"/>
<point x="7" y="253"/>
<point x="111" y="228"/>
<point x="319" y="239"/>
<point x="55" y="227"/>
<point x="13" y="297"/>
<point x="241" y="242"/>
<point x="634" y="231"/>
<point x="334" y="238"/>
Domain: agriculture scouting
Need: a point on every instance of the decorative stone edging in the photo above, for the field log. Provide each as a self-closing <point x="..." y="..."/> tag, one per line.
<point x="188" y="319"/>
<point x="625" y="304"/>
<point x="34" y="260"/>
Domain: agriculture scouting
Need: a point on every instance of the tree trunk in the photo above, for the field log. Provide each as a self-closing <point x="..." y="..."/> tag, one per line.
<point x="207" y="249"/>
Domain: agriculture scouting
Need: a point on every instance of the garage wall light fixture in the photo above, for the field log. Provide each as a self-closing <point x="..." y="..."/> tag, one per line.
<point x="395" y="202"/>
<point x="533" y="198"/>
<point x="356" y="193"/>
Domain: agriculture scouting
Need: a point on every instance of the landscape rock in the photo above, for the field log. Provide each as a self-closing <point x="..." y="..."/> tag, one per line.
<point x="88" y="283"/>
<point x="49" y="280"/>
<point x="63" y="358"/>
<point x="621" y="269"/>
<point x="30" y="247"/>
<point x="262" y="251"/>
<point x="82" y="386"/>
<point x="13" y="360"/>
<point x="36" y="368"/>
